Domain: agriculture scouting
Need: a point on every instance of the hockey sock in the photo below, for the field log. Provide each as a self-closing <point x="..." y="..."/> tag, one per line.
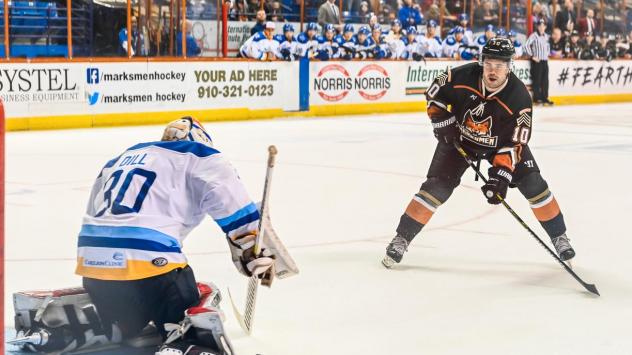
<point x="547" y="211"/>
<point x="408" y="227"/>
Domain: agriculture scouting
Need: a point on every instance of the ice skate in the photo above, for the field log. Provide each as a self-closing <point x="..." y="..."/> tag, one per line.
<point x="563" y="248"/>
<point x="395" y="251"/>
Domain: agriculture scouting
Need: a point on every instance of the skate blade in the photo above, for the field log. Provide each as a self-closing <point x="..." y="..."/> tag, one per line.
<point x="388" y="262"/>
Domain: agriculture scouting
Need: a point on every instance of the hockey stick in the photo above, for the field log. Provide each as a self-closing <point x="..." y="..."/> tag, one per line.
<point x="245" y="320"/>
<point x="590" y="287"/>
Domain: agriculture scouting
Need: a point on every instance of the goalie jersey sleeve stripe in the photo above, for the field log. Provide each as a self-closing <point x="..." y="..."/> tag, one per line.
<point x="238" y="219"/>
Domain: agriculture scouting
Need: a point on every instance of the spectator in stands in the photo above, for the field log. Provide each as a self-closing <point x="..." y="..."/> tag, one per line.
<point x="628" y="52"/>
<point x="448" y="18"/>
<point x="573" y="45"/>
<point x="261" y="22"/>
<point x="608" y="46"/>
<point x="566" y="18"/>
<point x="557" y="43"/>
<point x="433" y="13"/>
<point x="192" y="47"/>
<point x="353" y="6"/>
<point x="387" y="15"/>
<point x="409" y="15"/>
<point x="622" y="45"/>
<point x="588" y="23"/>
<point x="484" y="15"/>
<point x="364" y="14"/>
<point x="373" y="20"/>
<point x="237" y="11"/>
<point x="589" y="47"/>
<point x="538" y="49"/>
<point x="122" y="37"/>
<point x="328" y="13"/>
<point x="276" y="13"/>
<point x="251" y="9"/>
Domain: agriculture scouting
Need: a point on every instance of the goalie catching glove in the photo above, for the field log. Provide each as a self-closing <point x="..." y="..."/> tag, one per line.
<point x="244" y="258"/>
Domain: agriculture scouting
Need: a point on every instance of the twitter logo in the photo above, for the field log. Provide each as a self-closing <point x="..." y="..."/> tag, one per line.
<point x="93" y="98"/>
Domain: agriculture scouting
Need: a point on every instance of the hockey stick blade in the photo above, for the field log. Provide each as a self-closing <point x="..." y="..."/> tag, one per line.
<point x="589" y="287"/>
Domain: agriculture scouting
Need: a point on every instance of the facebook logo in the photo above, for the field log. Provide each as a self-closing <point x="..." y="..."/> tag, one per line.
<point x="92" y="75"/>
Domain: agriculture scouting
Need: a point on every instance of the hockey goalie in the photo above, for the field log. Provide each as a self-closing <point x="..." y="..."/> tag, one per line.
<point x="136" y="280"/>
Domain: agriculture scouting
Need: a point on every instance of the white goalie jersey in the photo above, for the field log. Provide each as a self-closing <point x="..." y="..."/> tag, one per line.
<point x="146" y="201"/>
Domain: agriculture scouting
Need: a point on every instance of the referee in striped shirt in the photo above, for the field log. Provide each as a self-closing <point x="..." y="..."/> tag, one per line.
<point x="538" y="49"/>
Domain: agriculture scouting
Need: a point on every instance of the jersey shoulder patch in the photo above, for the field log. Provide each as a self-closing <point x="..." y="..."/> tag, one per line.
<point x="279" y="38"/>
<point x="302" y="38"/>
<point x="259" y="36"/>
<point x="450" y="41"/>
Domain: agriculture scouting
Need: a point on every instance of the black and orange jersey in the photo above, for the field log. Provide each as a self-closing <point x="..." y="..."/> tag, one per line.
<point x="494" y="125"/>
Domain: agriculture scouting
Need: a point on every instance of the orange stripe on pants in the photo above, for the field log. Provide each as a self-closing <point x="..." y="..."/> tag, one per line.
<point x="418" y="212"/>
<point x="548" y="211"/>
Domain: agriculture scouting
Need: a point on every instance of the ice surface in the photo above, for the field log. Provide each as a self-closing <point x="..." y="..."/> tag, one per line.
<point x="474" y="282"/>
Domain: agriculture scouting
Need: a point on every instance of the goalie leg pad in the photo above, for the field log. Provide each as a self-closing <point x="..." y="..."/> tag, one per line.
<point x="60" y="320"/>
<point x="201" y="332"/>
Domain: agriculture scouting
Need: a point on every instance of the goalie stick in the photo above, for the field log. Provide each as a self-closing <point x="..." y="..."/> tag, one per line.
<point x="589" y="287"/>
<point x="245" y="320"/>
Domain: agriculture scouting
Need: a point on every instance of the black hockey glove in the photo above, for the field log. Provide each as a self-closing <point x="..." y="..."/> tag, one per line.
<point x="496" y="185"/>
<point x="417" y="57"/>
<point x="445" y="129"/>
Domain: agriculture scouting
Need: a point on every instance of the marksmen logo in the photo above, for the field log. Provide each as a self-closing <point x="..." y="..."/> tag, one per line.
<point x="477" y="129"/>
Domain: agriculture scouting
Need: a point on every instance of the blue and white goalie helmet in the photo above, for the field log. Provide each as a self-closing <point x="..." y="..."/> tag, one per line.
<point x="187" y="129"/>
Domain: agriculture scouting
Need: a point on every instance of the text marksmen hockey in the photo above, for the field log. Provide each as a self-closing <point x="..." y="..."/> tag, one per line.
<point x="158" y="97"/>
<point x="123" y="76"/>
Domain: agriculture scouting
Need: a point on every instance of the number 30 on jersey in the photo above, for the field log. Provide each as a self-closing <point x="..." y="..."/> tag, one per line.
<point x="117" y="206"/>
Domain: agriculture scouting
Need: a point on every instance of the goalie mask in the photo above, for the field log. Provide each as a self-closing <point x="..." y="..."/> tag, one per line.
<point x="187" y="129"/>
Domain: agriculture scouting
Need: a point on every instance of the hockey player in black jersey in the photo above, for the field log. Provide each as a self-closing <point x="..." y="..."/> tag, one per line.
<point x="486" y="109"/>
